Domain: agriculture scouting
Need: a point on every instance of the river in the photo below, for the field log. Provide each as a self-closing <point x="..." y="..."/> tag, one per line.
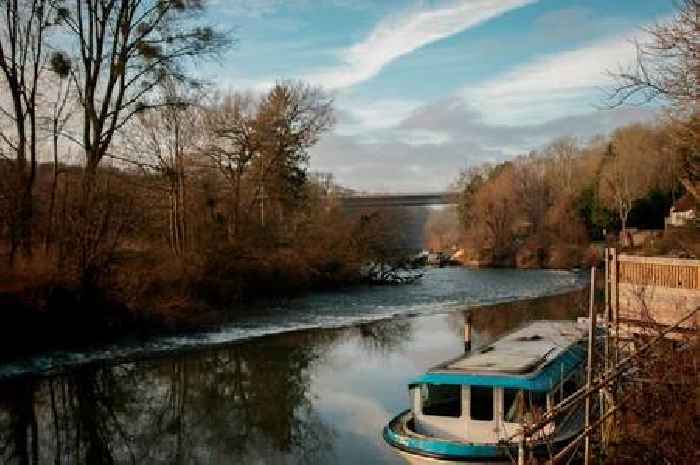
<point x="309" y="380"/>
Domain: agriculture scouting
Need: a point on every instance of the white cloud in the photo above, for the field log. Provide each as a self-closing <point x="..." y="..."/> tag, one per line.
<point x="426" y="151"/>
<point x="400" y="35"/>
<point x="361" y="117"/>
<point x="552" y="86"/>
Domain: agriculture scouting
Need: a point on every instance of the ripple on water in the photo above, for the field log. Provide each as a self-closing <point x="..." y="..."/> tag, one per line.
<point x="440" y="291"/>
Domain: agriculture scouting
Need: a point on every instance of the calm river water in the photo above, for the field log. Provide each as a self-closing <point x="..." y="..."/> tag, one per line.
<point x="309" y="380"/>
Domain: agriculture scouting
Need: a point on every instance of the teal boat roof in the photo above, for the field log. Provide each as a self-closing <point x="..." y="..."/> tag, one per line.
<point x="534" y="357"/>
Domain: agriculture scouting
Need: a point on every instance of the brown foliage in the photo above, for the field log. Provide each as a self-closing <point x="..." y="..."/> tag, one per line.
<point x="535" y="210"/>
<point x="523" y="213"/>
<point x="660" y="417"/>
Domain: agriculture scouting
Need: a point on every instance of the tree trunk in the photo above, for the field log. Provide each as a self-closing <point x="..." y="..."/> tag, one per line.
<point x="173" y="216"/>
<point x="88" y="239"/>
<point x="54" y="185"/>
<point x="182" y="217"/>
<point x="18" y="228"/>
<point x="237" y="205"/>
<point x="177" y="199"/>
<point x="62" y="243"/>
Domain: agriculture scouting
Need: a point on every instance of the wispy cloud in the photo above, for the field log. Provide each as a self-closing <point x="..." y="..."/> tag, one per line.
<point x="551" y="86"/>
<point x="361" y="117"/>
<point x="444" y="136"/>
<point x="402" y="34"/>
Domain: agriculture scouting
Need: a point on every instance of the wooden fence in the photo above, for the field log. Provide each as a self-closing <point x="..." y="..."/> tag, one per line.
<point x="669" y="273"/>
<point x="650" y="291"/>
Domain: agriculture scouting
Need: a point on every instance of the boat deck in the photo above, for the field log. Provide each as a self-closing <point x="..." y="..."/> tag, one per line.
<point x="521" y="352"/>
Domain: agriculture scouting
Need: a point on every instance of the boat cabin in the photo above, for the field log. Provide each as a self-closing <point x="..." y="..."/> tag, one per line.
<point x="487" y="394"/>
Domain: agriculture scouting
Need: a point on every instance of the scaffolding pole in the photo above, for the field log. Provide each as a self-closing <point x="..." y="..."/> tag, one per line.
<point x="608" y="376"/>
<point x="589" y="370"/>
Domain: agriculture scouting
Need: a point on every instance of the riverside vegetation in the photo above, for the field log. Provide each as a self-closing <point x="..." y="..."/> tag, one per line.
<point x="133" y="196"/>
<point x="544" y="208"/>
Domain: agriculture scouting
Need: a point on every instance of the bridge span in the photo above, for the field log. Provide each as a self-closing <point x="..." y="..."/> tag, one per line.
<point x="356" y="201"/>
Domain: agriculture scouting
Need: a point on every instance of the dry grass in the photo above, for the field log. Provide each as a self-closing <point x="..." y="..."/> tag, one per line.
<point x="660" y="418"/>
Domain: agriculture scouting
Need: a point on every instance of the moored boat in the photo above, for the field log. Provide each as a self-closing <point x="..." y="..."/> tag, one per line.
<point x="470" y="409"/>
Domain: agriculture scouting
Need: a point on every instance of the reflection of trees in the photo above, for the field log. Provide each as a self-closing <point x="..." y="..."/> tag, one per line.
<point x="491" y="321"/>
<point x="246" y="403"/>
<point x="384" y="336"/>
<point x="18" y="424"/>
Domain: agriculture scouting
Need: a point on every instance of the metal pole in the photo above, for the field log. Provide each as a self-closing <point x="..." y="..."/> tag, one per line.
<point x="615" y="305"/>
<point x="521" y="452"/>
<point x="561" y="383"/>
<point x="606" y="311"/>
<point x="561" y="454"/>
<point x="614" y="372"/>
<point x="591" y="353"/>
<point x="606" y="353"/>
<point x="468" y="332"/>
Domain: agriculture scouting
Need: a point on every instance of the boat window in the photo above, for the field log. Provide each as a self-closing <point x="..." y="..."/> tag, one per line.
<point x="513" y="405"/>
<point x="444" y="400"/>
<point x="570" y="386"/>
<point x="481" y="403"/>
<point x="537" y="403"/>
<point x="523" y="406"/>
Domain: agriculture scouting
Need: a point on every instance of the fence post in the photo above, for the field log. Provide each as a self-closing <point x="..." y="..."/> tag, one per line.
<point x="606" y="353"/>
<point x="521" y="451"/>
<point x="589" y="372"/>
<point x="615" y="302"/>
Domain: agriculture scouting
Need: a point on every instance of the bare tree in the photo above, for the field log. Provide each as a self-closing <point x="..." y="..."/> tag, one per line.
<point x="166" y="136"/>
<point x="632" y="168"/>
<point x="563" y="154"/>
<point x="61" y="111"/>
<point x="22" y="31"/>
<point x="667" y="66"/>
<point x="235" y="143"/>
<point x="619" y="190"/>
<point x="533" y="189"/>
<point x="492" y="230"/>
<point x="265" y="142"/>
<point x="668" y="69"/>
<point x="468" y="183"/>
<point x="124" y="50"/>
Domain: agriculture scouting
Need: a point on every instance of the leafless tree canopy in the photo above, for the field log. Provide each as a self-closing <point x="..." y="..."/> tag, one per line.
<point x="668" y="63"/>
<point x="124" y="50"/>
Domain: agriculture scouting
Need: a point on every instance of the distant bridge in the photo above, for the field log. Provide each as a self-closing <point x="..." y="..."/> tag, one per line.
<point x="398" y="200"/>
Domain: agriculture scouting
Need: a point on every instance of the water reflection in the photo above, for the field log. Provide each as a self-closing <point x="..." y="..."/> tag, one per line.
<point x="309" y="397"/>
<point x="492" y="321"/>
<point x="248" y="403"/>
<point x="385" y="336"/>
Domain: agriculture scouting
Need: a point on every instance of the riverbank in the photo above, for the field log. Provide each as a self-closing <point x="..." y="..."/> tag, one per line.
<point x="143" y="295"/>
<point x="531" y="255"/>
<point x="443" y="290"/>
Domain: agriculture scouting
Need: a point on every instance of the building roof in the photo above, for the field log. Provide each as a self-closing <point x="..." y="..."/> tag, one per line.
<point x="533" y="357"/>
<point x="685" y="203"/>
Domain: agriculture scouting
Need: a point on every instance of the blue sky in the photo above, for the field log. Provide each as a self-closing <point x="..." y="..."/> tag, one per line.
<point x="425" y="88"/>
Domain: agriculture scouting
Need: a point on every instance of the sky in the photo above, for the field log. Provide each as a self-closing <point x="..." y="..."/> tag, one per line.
<point x="425" y="88"/>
